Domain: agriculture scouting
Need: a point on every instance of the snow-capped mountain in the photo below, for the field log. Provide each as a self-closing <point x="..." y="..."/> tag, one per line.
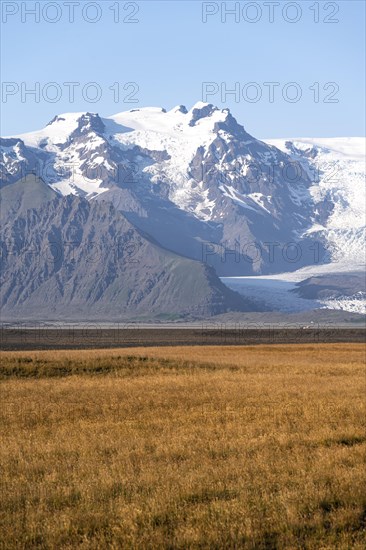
<point x="338" y="168"/>
<point x="201" y="186"/>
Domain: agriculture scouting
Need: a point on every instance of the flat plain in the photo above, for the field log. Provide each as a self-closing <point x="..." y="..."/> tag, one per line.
<point x="258" y="447"/>
<point x="18" y="338"/>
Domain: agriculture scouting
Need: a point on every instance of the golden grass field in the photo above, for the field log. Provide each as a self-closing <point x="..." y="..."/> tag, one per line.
<point x="257" y="447"/>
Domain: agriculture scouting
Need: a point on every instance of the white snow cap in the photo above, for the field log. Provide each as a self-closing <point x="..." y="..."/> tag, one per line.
<point x="179" y="109"/>
<point x="57" y="130"/>
<point x="202" y="105"/>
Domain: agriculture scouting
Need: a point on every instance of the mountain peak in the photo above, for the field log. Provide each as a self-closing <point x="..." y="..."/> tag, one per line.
<point x="62" y="126"/>
<point x="180" y="109"/>
<point x="202" y="105"/>
<point x="64" y="118"/>
<point x="90" y="121"/>
<point x="201" y="110"/>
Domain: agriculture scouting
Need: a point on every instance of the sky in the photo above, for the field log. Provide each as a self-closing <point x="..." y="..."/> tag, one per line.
<point x="295" y="69"/>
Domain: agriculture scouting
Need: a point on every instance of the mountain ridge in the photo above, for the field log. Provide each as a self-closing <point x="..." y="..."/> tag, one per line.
<point x="70" y="258"/>
<point x="201" y="170"/>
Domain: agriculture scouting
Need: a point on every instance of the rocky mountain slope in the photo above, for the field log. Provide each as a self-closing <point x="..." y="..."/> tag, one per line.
<point x="337" y="169"/>
<point x="68" y="258"/>
<point x="194" y="180"/>
<point x="198" y="191"/>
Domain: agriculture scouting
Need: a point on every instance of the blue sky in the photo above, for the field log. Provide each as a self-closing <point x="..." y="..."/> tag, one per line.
<point x="170" y="53"/>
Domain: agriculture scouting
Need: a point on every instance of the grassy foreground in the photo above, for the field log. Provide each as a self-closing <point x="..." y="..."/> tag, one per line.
<point x="196" y="447"/>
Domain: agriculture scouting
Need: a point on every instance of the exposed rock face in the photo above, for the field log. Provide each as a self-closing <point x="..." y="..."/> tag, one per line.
<point x="332" y="286"/>
<point x="69" y="258"/>
<point x="17" y="160"/>
<point x="200" y="185"/>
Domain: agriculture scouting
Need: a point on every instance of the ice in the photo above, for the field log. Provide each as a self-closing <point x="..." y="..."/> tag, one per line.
<point x="340" y="163"/>
<point x="275" y="293"/>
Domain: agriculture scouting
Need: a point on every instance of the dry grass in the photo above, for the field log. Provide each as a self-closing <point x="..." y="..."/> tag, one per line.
<point x="206" y="447"/>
